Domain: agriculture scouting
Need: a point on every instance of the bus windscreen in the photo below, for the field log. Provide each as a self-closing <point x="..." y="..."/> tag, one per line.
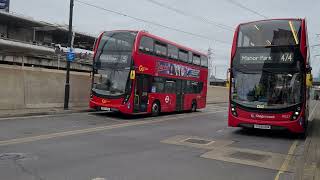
<point x="112" y="64"/>
<point x="270" y="33"/>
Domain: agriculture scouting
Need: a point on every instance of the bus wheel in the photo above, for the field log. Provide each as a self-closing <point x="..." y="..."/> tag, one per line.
<point x="194" y="106"/>
<point x="155" y="109"/>
<point x="305" y="133"/>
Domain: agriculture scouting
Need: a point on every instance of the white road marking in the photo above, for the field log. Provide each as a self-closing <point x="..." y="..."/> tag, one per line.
<point x="99" y="178"/>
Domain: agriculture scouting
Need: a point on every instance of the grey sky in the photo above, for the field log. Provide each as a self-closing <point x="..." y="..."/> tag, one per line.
<point x="93" y="21"/>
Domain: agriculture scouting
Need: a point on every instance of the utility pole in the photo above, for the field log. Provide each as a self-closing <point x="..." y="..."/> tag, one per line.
<point x="215" y="71"/>
<point x="67" y="84"/>
<point x="210" y="63"/>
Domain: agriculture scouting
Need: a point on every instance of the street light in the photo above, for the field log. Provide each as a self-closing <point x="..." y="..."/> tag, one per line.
<point x="67" y="84"/>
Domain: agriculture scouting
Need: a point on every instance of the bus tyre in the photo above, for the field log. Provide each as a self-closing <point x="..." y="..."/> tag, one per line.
<point x="194" y="106"/>
<point x="155" y="109"/>
<point x="305" y="133"/>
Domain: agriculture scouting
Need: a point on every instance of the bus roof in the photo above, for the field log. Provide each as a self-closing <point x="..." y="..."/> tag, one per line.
<point x="143" y="32"/>
<point x="271" y="20"/>
<point x="170" y="42"/>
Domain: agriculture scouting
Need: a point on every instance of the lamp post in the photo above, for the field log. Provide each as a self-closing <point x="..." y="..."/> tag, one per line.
<point x="70" y="34"/>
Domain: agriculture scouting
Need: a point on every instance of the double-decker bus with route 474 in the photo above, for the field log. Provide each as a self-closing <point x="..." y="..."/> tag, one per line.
<point x="135" y="72"/>
<point x="270" y="76"/>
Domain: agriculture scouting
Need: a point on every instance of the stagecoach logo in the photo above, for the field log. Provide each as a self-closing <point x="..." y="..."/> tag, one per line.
<point x="104" y="101"/>
<point x="261" y="116"/>
<point x="167" y="99"/>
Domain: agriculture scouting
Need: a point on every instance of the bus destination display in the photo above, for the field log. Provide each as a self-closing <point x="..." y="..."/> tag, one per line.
<point x="262" y="58"/>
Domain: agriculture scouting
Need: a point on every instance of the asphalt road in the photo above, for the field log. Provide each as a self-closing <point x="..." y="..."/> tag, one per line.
<point x="107" y="146"/>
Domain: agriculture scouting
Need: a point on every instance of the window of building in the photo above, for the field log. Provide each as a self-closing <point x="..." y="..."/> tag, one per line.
<point x="183" y="55"/>
<point x="160" y="49"/>
<point x="146" y="45"/>
<point x="172" y="52"/>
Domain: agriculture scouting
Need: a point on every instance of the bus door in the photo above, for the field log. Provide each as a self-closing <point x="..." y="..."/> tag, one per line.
<point x="141" y="93"/>
<point x="179" y="95"/>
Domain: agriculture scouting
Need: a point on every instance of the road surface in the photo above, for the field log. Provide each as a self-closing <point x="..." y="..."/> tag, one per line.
<point x="108" y="146"/>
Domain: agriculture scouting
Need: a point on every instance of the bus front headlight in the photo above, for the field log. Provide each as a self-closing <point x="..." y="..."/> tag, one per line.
<point x="234" y="110"/>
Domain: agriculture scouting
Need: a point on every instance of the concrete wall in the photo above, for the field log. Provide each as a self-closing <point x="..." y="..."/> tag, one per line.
<point x="217" y="94"/>
<point x="56" y="62"/>
<point x="26" y="87"/>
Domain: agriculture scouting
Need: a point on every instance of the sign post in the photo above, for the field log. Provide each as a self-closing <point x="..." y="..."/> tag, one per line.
<point x="70" y="57"/>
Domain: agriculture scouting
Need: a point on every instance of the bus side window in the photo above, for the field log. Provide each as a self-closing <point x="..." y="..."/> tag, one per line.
<point x="170" y="86"/>
<point x="187" y="87"/>
<point x="183" y="55"/>
<point x="204" y="61"/>
<point x="146" y="45"/>
<point x="200" y="87"/>
<point x="160" y="49"/>
<point x="157" y="85"/>
<point x="193" y="87"/>
<point x="196" y="59"/>
<point x="172" y="52"/>
<point x="190" y="57"/>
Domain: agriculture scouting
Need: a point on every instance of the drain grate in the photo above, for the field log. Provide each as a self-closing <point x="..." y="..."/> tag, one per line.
<point x="197" y="141"/>
<point x="12" y="156"/>
<point x="249" y="156"/>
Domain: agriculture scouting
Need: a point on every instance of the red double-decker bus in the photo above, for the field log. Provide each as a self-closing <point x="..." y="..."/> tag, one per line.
<point x="136" y="72"/>
<point x="270" y="75"/>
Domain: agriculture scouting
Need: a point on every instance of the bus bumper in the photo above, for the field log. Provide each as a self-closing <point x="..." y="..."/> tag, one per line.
<point x="296" y="126"/>
<point x="110" y="107"/>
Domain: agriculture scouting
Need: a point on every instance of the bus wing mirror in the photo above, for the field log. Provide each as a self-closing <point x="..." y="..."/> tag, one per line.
<point x="132" y="74"/>
<point x="309" y="80"/>
<point x="309" y="68"/>
<point x="228" y="78"/>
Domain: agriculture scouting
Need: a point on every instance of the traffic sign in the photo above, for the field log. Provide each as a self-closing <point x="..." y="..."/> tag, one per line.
<point x="71" y="55"/>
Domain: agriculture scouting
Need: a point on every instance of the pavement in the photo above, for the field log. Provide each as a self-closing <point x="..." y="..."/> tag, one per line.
<point x="40" y="111"/>
<point x="109" y="146"/>
<point x="309" y="166"/>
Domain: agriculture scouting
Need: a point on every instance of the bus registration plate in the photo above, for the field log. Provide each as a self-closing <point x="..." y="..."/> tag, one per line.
<point x="260" y="126"/>
<point x="105" y="109"/>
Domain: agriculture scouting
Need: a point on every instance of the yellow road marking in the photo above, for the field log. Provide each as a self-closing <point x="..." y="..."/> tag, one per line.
<point x="285" y="164"/>
<point x="96" y="129"/>
<point x="289" y="156"/>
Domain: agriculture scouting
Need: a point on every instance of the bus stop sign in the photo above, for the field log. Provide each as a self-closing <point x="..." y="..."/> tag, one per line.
<point x="71" y="55"/>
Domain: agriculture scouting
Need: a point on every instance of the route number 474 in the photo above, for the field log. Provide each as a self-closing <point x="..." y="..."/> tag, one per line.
<point x="286" y="57"/>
